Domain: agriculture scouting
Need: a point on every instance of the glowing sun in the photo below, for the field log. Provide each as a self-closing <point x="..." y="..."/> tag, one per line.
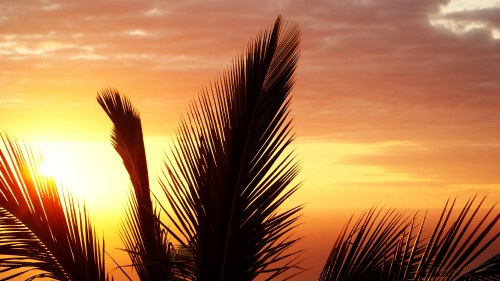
<point x="51" y="167"/>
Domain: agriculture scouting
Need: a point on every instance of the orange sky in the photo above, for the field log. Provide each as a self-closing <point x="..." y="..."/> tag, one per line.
<point x="396" y="102"/>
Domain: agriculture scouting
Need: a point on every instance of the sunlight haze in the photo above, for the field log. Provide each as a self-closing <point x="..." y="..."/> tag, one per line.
<point x="396" y="103"/>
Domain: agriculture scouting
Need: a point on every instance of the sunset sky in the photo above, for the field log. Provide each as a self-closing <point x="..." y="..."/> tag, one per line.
<point x="396" y="102"/>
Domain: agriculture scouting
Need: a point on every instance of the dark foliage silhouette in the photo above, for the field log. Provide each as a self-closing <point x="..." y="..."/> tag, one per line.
<point x="229" y="173"/>
<point x="42" y="234"/>
<point x="230" y="169"/>
<point x="144" y="239"/>
<point x="390" y="246"/>
<point x="221" y="215"/>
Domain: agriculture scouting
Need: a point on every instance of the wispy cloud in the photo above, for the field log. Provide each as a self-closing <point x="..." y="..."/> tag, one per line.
<point x="402" y="71"/>
<point x="461" y="17"/>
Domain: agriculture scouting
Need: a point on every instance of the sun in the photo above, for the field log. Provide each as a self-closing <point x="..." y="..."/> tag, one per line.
<point x="59" y="162"/>
<point x="90" y="170"/>
<point x="53" y="167"/>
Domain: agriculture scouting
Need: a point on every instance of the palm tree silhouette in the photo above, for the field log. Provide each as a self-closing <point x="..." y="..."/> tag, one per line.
<point x="229" y="174"/>
<point x="225" y="182"/>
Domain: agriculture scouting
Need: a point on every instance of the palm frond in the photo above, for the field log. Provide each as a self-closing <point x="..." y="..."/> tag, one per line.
<point x="452" y="247"/>
<point x="487" y="271"/>
<point x="373" y="245"/>
<point x="144" y="238"/>
<point x="230" y="170"/>
<point x="42" y="234"/>
<point x="393" y="247"/>
<point x="22" y="251"/>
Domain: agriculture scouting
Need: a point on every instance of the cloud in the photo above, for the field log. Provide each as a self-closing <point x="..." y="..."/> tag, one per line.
<point x="463" y="17"/>
<point x="440" y="164"/>
<point x="370" y="72"/>
<point x="381" y="72"/>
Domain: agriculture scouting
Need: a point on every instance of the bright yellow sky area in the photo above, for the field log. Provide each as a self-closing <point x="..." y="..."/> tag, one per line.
<point x="395" y="103"/>
<point x="332" y="190"/>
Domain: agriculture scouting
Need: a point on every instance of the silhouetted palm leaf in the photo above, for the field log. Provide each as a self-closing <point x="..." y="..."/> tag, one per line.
<point x="145" y="241"/>
<point x="230" y="171"/>
<point x="487" y="271"/>
<point x="452" y="248"/>
<point x="392" y="248"/>
<point x="368" y="250"/>
<point x="41" y="233"/>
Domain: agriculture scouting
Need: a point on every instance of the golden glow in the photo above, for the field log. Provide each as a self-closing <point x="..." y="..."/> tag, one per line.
<point x="53" y="167"/>
<point x="333" y="178"/>
<point x="387" y="115"/>
<point x="89" y="170"/>
<point x="94" y="173"/>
